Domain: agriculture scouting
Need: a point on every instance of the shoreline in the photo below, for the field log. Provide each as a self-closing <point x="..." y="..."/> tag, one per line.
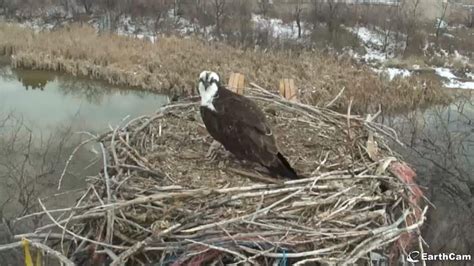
<point x="171" y="64"/>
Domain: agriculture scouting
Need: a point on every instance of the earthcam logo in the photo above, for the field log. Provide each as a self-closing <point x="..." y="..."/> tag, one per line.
<point x="416" y="256"/>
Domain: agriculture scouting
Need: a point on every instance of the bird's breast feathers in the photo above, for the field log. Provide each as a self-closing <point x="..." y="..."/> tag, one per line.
<point x="208" y="95"/>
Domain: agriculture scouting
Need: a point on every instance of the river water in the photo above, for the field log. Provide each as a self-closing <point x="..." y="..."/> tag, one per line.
<point x="46" y="111"/>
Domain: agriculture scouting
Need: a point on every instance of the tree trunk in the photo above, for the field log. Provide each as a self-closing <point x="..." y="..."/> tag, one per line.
<point x="298" y="23"/>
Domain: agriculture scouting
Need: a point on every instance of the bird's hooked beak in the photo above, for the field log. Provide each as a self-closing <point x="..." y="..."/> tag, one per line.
<point x="206" y="84"/>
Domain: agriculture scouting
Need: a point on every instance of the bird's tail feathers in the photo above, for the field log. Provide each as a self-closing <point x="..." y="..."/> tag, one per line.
<point x="282" y="168"/>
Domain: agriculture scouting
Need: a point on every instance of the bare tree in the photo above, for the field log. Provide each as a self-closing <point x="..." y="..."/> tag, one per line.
<point x="440" y="21"/>
<point x="66" y="4"/>
<point x="409" y="17"/>
<point x="239" y="22"/>
<point x="316" y="17"/>
<point x="159" y="9"/>
<point x="333" y="15"/>
<point x="219" y="10"/>
<point x="177" y="7"/>
<point x="264" y="7"/>
<point x="87" y="4"/>
<point x="298" y="11"/>
<point x="470" y="18"/>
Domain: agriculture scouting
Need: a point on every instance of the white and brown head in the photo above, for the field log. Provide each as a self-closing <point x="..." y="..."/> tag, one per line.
<point x="208" y="86"/>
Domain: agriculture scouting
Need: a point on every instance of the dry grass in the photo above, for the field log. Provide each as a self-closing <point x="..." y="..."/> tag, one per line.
<point x="171" y="66"/>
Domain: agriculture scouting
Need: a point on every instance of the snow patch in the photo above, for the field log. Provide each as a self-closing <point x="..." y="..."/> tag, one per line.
<point x="449" y="35"/>
<point x="456" y="84"/>
<point x="452" y="80"/>
<point x="394" y="72"/>
<point x="379" y="46"/>
<point x="445" y="73"/>
<point x="278" y="28"/>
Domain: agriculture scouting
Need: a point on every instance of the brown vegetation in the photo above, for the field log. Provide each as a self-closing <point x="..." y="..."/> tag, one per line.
<point x="171" y="66"/>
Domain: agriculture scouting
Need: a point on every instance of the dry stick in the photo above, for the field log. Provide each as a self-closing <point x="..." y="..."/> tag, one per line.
<point x="151" y="119"/>
<point x="52" y="211"/>
<point x="112" y="142"/>
<point x="218" y="248"/>
<point x="152" y="198"/>
<point x="74" y="218"/>
<point x="71" y="215"/>
<point x="386" y="236"/>
<point x="74" y="234"/>
<point x="301" y="254"/>
<point x="335" y="98"/>
<point x="41" y="235"/>
<point x="70" y="159"/>
<point x="375" y="126"/>
<point x="349" y="131"/>
<point x="41" y="246"/>
<point x="264" y="210"/>
<point x="256" y="176"/>
<point x="123" y="257"/>
<point x="110" y="212"/>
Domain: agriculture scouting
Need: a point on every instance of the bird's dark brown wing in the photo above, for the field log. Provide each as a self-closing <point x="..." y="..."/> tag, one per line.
<point x="245" y="111"/>
<point x="244" y="130"/>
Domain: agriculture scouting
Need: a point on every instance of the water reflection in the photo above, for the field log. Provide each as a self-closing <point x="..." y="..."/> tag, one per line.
<point x="32" y="79"/>
<point x="48" y="99"/>
<point x="440" y="145"/>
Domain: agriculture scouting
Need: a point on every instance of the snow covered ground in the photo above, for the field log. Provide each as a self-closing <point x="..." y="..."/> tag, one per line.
<point x="394" y="72"/>
<point x="379" y="48"/>
<point x="379" y="45"/>
<point x="278" y="28"/>
<point x="452" y="81"/>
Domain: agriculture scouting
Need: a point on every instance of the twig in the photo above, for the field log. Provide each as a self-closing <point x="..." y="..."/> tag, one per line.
<point x="123" y="257"/>
<point x="74" y="234"/>
<point x="41" y="246"/>
<point x="110" y="212"/>
<point x="336" y="98"/>
<point x="70" y="159"/>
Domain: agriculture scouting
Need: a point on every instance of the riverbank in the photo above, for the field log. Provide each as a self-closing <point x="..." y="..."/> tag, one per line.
<point x="170" y="65"/>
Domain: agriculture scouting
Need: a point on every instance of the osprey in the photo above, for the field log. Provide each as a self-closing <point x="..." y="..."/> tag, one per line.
<point x="239" y="125"/>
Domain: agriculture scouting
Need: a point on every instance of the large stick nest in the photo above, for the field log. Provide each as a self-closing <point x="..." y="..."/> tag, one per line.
<point x="159" y="198"/>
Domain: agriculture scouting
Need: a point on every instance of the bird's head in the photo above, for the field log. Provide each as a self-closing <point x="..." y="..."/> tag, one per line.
<point x="208" y="86"/>
<point x="208" y="81"/>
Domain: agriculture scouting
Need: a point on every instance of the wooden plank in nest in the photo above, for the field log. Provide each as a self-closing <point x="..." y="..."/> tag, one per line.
<point x="237" y="83"/>
<point x="288" y="89"/>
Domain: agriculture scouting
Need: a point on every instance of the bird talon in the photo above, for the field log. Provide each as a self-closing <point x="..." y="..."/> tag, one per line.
<point x="213" y="150"/>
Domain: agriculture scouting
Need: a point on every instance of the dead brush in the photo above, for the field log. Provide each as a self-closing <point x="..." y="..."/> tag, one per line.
<point x="171" y="65"/>
<point x="158" y="200"/>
